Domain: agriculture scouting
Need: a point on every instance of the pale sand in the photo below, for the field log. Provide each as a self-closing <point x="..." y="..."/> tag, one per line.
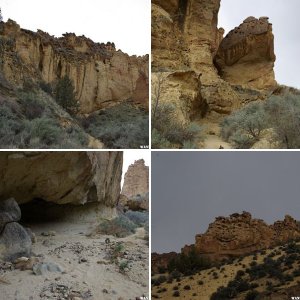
<point x="86" y="276"/>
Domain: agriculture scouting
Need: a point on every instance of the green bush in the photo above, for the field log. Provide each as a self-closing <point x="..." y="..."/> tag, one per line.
<point x="30" y="122"/>
<point x="65" y="95"/>
<point x="243" y="127"/>
<point x="46" y="87"/>
<point x="188" y="264"/>
<point x="137" y="217"/>
<point x="281" y="113"/>
<point x="119" y="127"/>
<point x="119" y="227"/>
<point x="168" y="132"/>
<point x="176" y="294"/>
<point x="252" y="295"/>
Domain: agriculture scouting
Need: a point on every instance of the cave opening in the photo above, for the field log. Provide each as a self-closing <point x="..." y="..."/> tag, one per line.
<point x="38" y="212"/>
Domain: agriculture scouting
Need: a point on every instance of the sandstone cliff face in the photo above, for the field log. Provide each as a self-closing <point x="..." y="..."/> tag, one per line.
<point x="240" y="234"/>
<point x="186" y="37"/>
<point x="61" y="177"/>
<point x="136" y="180"/>
<point x="101" y="75"/>
<point x="246" y="55"/>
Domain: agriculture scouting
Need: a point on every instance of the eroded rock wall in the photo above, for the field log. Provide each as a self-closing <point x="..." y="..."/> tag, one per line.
<point x="136" y="179"/>
<point x="230" y="70"/>
<point x="101" y="75"/>
<point x="246" y="55"/>
<point x="61" y="177"/>
<point x="240" y="234"/>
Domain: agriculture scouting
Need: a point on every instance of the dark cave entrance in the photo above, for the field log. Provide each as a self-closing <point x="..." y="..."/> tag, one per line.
<point x="39" y="211"/>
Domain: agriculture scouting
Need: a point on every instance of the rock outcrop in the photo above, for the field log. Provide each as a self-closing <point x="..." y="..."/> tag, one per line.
<point x="159" y="262"/>
<point x="136" y="179"/>
<point x="102" y="76"/>
<point x="15" y="241"/>
<point x="61" y="177"/>
<point x="229" y="71"/>
<point x="240" y="234"/>
<point x="246" y="55"/>
<point x="135" y="190"/>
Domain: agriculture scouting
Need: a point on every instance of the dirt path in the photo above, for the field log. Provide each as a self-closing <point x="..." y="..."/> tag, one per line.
<point x="212" y="136"/>
<point x="88" y="271"/>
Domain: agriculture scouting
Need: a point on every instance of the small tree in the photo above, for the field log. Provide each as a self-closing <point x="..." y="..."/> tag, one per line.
<point x="1" y="18"/>
<point x="65" y="96"/>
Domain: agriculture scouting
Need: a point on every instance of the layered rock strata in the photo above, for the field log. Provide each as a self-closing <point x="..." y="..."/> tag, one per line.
<point x="102" y="75"/>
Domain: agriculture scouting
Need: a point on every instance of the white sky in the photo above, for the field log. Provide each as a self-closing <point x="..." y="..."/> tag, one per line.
<point x="129" y="156"/>
<point x="124" y="22"/>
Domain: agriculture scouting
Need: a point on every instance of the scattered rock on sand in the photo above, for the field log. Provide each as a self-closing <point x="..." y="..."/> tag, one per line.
<point x="25" y="263"/>
<point x="43" y="268"/>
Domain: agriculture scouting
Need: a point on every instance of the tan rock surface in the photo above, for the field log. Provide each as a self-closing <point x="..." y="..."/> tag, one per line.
<point x="61" y="177"/>
<point x="246" y="55"/>
<point x="101" y="75"/>
<point x="240" y="234"/>
<point x="181" y="90"/>
<point x="186" y="38"/>
<point x="136" y="180"/>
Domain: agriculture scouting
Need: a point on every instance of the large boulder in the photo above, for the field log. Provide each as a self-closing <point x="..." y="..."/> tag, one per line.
<point x="246" y="55"/>
<point x="61" y="177"/>
<point x="15" y="240"/>
<point x="9" y="212"/>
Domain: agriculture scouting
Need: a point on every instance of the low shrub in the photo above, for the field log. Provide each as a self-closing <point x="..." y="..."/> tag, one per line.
<point x="281" y="113"/>
<point x="119" y="127"/>
<point x="119" y="227"/>
<point x="176" y="294"/>
<point x="168" y="132"/>
<point x="137" y="217"/>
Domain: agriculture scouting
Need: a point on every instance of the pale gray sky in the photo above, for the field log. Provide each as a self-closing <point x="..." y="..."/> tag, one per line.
<point x="284" y="15"/>
<point x="190" y="189"/>
<point x="124" y="22"/>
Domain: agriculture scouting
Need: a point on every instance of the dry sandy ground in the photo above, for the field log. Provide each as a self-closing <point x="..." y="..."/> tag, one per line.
<point x="88" y="272"/>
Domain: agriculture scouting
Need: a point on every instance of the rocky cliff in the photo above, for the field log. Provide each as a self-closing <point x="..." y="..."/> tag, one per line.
<point x="240" y="234"/>
<point x="159" y="262"/>
<point x="136" y="179"/>
<point x="61" y="177"/>
<point x="229" y="71"/>
<point x="102" y="75"/>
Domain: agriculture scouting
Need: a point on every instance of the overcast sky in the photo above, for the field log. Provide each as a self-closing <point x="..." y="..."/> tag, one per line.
<point x="190" y="189"/>
<point x="130" y="156"/>
<point x="124" y="22"/>
<point x="284" y="15"/>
